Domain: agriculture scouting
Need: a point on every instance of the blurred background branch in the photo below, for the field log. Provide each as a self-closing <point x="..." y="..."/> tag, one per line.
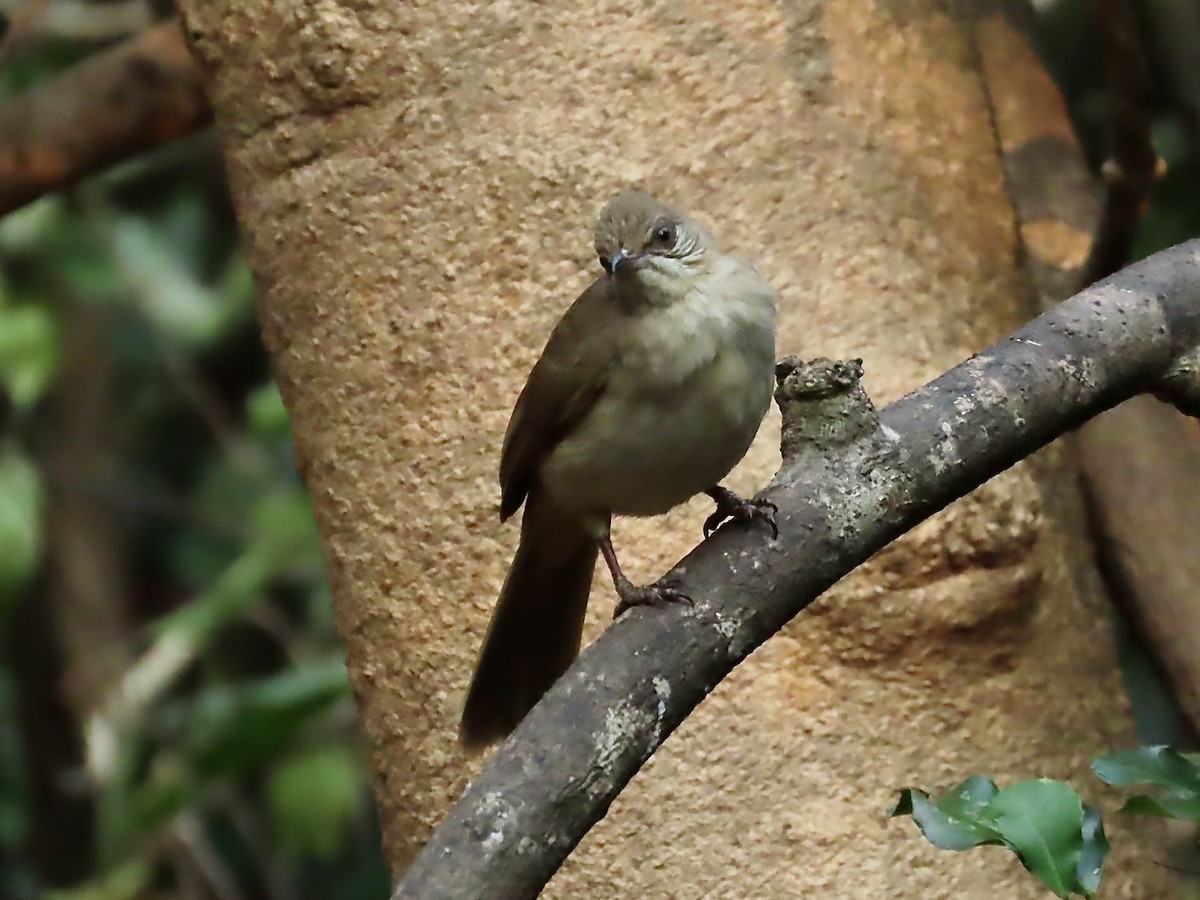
<point x="138" y="95"/>
<point x="1129" y="171"/>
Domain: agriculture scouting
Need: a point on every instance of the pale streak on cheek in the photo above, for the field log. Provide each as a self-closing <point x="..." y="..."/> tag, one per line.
<point x="669" y="277"/>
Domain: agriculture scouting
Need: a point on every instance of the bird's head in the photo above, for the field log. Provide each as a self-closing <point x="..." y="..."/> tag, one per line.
<point x="644" y="243"/>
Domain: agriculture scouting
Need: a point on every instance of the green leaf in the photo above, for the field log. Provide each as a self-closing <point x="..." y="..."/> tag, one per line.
<point x="970" y="799"/>
<point x="313" y="798"/>
<point x="28" y="352"/>
<point x="1042" y="821"/>
<point x="1094" y="852"/>
<point x="20" y="521"/>
<point x="1186" y="809"/>
<point x="1159" y="765"/>
<point x="954" y="820"/>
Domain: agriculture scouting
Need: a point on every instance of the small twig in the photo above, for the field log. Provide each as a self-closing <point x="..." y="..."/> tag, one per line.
<point x="1130" y="172"/>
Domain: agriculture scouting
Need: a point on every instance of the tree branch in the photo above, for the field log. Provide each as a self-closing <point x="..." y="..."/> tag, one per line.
<point x="141" y="94"/>
<point x="850" y="483"/>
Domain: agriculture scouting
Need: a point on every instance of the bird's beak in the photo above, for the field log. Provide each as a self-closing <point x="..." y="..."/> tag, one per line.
<point x="622" y="260"/>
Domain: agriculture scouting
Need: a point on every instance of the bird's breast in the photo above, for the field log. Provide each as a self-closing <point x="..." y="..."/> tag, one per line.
<point x="680" y="407"/>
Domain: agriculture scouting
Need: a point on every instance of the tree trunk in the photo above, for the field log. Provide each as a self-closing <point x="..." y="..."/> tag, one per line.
<point x="417" y="185"/>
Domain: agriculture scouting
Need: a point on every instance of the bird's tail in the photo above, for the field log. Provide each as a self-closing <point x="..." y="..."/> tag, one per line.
<point x="536" y="626"/>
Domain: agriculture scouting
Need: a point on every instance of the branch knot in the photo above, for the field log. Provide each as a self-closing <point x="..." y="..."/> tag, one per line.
<point x="823" y="404"/>
<point x="1181" y="385"/>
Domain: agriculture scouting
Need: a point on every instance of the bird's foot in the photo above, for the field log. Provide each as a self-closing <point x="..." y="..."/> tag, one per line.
<point x="631" y="595"/>
<point x="732" y="508"/>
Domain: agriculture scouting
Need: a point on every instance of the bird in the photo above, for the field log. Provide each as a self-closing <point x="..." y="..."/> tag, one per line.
<point x="650" y="389"/>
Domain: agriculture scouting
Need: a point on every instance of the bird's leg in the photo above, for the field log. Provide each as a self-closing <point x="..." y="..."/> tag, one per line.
<point x="631" y="595"/>
<point x="733" y="508"/>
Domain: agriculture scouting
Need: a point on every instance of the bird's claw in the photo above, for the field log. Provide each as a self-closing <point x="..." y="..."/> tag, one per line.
<point x="632" y="595"/>
<point x="732" y="508"/>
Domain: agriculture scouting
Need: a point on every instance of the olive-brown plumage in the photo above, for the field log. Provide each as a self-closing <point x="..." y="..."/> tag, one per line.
<point x="649" y="390"/>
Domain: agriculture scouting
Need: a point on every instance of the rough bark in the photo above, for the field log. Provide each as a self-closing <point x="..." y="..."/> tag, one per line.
<point x="417" y="184"/>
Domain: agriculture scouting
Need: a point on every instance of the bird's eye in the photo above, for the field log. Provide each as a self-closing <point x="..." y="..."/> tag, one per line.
<point x="664" y="235"/>
<point x="606" y="264"/>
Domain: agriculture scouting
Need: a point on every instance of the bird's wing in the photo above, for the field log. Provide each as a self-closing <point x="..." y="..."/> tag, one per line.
<point x="561" y="389"/>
